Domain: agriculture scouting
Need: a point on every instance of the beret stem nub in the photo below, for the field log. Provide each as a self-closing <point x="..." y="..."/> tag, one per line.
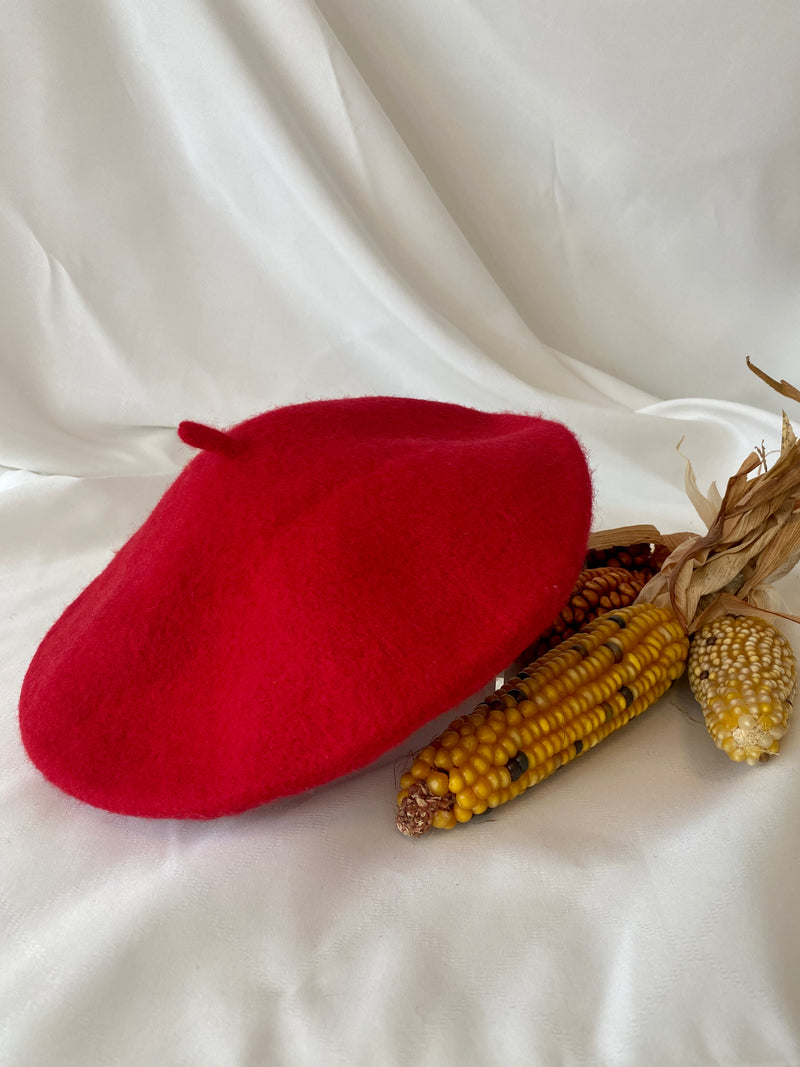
<point x="208" y="439"/>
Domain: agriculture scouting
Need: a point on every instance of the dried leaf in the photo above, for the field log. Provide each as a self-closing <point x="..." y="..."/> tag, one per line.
<point x="752" y="537"/>
<point x="726" y="604"/>
<point x="703" y="505"/>
<point x="782" y="387"/>
<point x="721" y="570"/>
<point x="621" y="536"/>
<point x="714" y="496"/>
<point x="788" y="437"/>
<point x="778" y="558"/>
<point x="780" y="482"/>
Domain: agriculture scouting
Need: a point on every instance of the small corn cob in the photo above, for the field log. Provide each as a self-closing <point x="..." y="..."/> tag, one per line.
<point x="596" y="591"/>
<point x="743" y="673"/>
<point x="561" y="705"/>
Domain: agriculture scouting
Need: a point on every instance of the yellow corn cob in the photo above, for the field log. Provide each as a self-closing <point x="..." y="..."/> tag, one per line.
<point x="597" y="590"/>
<point x="561" y="705"/>
<point x="743" y="673"/>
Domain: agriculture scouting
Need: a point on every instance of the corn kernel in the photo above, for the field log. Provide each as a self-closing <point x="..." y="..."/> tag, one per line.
<point x="444" y="820"/>
<point x="483" y="788"/>
<point x="438" y="783"/>
<point x="443" y="761"/>
<point x="420" y="769"/>
<point x="457" y="782"/>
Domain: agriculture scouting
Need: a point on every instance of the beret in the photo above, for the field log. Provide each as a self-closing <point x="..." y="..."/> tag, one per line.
<point x="317" y="583"/>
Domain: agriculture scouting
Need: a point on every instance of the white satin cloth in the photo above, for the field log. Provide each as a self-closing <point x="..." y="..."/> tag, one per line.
<point x="212" y="207"/>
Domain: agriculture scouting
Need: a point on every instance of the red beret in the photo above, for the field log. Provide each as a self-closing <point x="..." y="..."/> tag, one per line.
<point x="316" y="584"/>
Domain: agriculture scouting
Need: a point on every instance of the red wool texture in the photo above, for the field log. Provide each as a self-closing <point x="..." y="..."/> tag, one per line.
<point x="316" y="584"/>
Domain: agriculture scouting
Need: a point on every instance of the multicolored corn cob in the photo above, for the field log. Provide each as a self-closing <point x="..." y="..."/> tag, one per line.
<point x="560" y="706"/>
<point x="743" y="673"/>
<point x="596" y="591"/>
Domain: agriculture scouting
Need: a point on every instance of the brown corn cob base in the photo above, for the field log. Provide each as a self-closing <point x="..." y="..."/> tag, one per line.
<point x="415" y="815"/>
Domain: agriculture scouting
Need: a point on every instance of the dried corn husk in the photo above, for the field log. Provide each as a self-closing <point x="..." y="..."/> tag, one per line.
<point x="752" y="538"/>
<point x="782" y="387"/>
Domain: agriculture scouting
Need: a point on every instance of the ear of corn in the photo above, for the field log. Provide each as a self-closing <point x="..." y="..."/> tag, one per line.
<point x="741" y="668"/>
<point x="596" y="591"/>
<point x="743" y="673"/>
<point x="559" y="707"/>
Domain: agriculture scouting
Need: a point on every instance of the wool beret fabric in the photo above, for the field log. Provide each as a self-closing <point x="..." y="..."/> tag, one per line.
<point x="317" y="583"/>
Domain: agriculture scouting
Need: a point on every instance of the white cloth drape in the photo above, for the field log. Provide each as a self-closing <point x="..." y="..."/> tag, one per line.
<point x="213" y="207"/>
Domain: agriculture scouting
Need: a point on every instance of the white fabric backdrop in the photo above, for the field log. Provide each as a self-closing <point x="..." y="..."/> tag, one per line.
<point x="212" y="207"/>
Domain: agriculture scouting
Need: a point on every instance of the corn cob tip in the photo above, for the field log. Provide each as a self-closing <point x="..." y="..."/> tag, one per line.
<point x="416" y="810"/>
